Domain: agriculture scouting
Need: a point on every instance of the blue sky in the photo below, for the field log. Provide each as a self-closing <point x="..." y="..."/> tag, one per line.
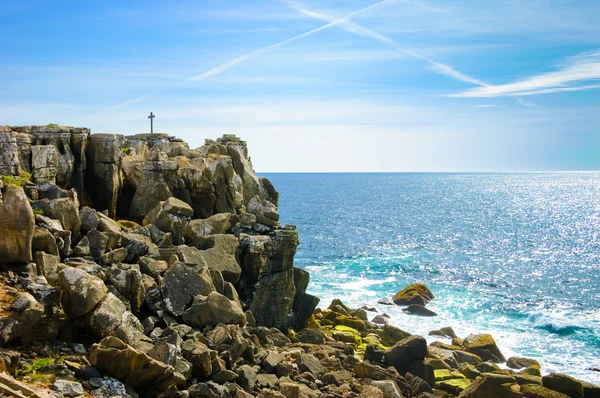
<point x="328" y="85"/>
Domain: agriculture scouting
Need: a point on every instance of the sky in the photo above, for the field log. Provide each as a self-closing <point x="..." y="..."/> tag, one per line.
<point x="319" y="85"/>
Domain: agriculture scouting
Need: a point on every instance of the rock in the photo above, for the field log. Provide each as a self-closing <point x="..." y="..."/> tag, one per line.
<point x="373" y="354"/>
<point x="200" y="356"/>
<point x="272" y="360"/>
<point x="122" y="361"/>
<point x="405" y="351"/>
<point x="81" y="292"/>
<point x="152" y="267"/>
<point x="388" y="388"/>
<point x="336" y="378"/>
<point x="484" y="346"/>
<point x="390" y="335"/>
<point x="309" y="363"/>
<point x="380" y="320"/>
<point x="246" y="377"/>
<point x="68" y="388"/>
<point x="418" y="309"/>
<point x="518" y="362"/>
<point x="538" y="391"/>
<point x="165" y="353"/>
<point x="47" y="266"/>
<point x="216" y="224"/>
<point x="311" y="336"/>
<point x="104" y="171"/>
<point x="491" y="386"/>
<point x="367" y="370"/>
<point x="179" y="287"/>
<point x="44" y="163"/>
<point x="171" y="215"/>
<point x="66" y="210"/>
<point x="590" y="390"/>
<point x="297" y="390"/>
<point x="414" y="294"/>
<point x="219" y="253"/>
<point x="127" y="279"/>
<point x="9" y="154"/>
<point x="23" y="314"/>
<point x="443" y="332"/>
<point x="564" y="384"/>
<point x="89" y="219"/>
<point x="303" y="307"/>
<point x="265" y="211"/>
<point x="44" y="241"/>
<point x="267" y="380"/>
<point x="17" y="224"/>
<point x="214" y="309"/>
<point x="273" y="299"/>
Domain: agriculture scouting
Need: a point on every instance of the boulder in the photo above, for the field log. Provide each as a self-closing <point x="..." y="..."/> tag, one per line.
<point x="213" y="309"/>
<point x="103" y="178"/>
<point x="219" y="253"/>
<point x="17" y="224"/>
<point x="444" y="332"/>
<point x="265" y="211"/>
<point x="9" y="154"/>
<point x="171" y="215"/>
<point x="68" y="388"/>
<point x="388" y="388"/>
<point x="200" y="356"/>
<point x="390" y="335"/>
<point x="127" y="279"/>
<point x="180" y="285"/>
<point x="418" y="309"/>
<point x="490" y="385"/>
<point x="401" y="354"/>
<point x="518" y="362"/>
<point x="216" y="224"/>
<point x="310" y="363"/>
<point x="563" y="384"/>
<point x="416" y="293"/>
<point x="23" y="314"/>
<point x="66" y="210"/>
<point x="485" y="346"/>
<point x="44" y="241"/>
<point x="81" y="292"/>
<point x="47" y="266"/>
<point x="122" y="361"/>
<point x="538" y="391"/>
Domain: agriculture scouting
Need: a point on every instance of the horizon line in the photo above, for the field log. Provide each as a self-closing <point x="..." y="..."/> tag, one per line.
<point x="437" y="172"/>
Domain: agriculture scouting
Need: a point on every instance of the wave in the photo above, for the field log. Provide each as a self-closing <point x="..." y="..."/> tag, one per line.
<point x="554" y="324"/>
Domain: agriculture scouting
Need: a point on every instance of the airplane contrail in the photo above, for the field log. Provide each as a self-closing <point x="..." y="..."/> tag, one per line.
<point x="228" y="65"/>
<point x="362" y="31"/>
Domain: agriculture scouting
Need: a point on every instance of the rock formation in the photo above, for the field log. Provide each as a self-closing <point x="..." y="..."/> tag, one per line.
<point x="136" y="266"/>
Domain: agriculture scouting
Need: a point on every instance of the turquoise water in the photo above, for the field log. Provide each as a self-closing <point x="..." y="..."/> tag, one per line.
<point x="514" y="255"/>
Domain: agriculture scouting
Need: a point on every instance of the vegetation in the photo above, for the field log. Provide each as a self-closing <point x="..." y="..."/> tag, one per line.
<point x="19" y="180"/>
<point x="38" y="364"/>
<point x="52" y="125"/>
<point x="38" y="212"/>
<point x="126" y="150"/>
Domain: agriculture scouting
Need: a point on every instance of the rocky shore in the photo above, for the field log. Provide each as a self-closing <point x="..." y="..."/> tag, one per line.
<point x="136" y="266"/>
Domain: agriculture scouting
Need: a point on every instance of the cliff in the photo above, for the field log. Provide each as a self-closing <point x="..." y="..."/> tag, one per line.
<point x="136" y="266"/>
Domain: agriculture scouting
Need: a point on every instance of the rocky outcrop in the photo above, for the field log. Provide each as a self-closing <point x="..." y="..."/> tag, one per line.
<point x="103" y="180"/>
<point x="17" y="225"/>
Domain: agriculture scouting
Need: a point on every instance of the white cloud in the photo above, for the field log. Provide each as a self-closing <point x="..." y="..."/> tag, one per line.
<point x="574" y="75"/>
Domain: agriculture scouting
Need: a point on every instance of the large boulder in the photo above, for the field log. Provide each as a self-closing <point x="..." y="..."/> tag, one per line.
<point x="216" y="224"/>
<point x="171" y="215"/>
<point x="401" y="354"/>
<point x="491" y="386"/>
<point x="122" y="361"/>
<point x="416" y="293"/>
<point x="66" y="210"/>
<point x="81" y="292"/>
<point x="180" y="285"/>
<point x="23" y="314"/>
<point x="214" y="309"/>
<point x="219" y="253"/>
<point x="563" y="384"/>
<point x="127" y="279"/>
<point x="17" y="224"/>
<point x="483" y="345"/>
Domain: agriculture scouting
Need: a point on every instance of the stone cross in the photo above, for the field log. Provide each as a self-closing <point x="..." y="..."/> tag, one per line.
<point x="151" y="117"/>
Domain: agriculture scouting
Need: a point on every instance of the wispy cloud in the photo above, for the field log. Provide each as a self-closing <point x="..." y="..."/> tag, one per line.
<point x="228" y="65"/>
<point x="576" y="74"/>
<point x="526" y="103"/>
<point x="353" y="27"/>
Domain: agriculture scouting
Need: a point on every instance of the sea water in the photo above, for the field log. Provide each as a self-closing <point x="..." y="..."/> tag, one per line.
<point x="515" y="255"/>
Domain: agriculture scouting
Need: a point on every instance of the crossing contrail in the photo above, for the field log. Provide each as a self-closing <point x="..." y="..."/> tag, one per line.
<point x="228" y="65"/>
<point x="355" y="28"/>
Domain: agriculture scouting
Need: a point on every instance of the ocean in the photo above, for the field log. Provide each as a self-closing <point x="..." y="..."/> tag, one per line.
<point x="516" y="255"/>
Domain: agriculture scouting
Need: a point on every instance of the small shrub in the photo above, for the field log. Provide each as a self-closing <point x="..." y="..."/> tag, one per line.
<point x="19" y="181"/>
<point x="52" y="125"/>
<point x="38" y="212"/>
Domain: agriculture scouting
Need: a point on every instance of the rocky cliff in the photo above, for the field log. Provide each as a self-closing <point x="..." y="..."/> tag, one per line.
<point x="136" y="266"/>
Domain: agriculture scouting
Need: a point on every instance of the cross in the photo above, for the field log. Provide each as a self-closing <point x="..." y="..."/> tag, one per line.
<point x="151" y="117"/>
